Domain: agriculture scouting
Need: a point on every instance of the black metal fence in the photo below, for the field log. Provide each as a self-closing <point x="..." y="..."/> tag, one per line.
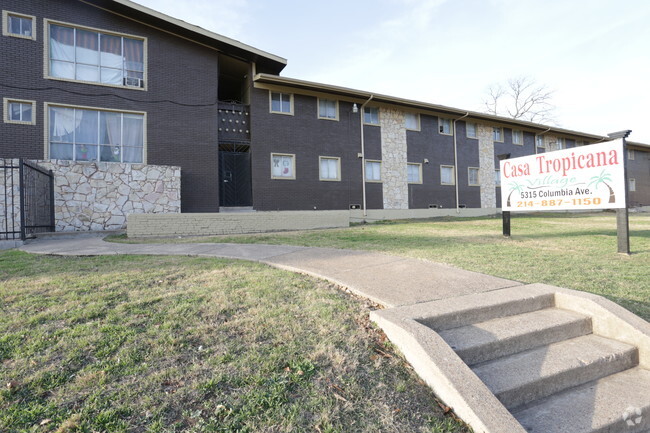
<point x="27" y="199"/>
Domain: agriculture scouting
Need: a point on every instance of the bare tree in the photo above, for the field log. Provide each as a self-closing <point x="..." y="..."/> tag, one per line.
<point x="521" y="98"/>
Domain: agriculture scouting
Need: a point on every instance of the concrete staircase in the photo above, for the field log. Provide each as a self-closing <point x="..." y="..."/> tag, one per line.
<point x="544" y="362"/>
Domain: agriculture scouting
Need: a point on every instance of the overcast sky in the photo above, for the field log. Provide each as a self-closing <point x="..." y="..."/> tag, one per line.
<point x="594" y="54"/>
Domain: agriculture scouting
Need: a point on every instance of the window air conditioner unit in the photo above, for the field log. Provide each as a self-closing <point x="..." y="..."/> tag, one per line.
<point x="133" y="82"/>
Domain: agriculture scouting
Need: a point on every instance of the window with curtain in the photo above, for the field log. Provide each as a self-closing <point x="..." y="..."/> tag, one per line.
<point x="471" y="130"/>
<point x="414" y="173"/>
<point x="329" y="168"/>
<point x="472" y="176"/>
<point x="19" y="111"/>
<point x="497" y="134"/>
<point x="91" y="135"/>
<point x="371" y="115"/>
<point x="539" y="141"/>
<point x="373" y="171"/>
<point x="412" y="121"/>
<point x="281" y="103"/>
<point x="283" y="166"/>
<point x="447" y="175"/>
<point x="517" y="137"/>
<point x="327" y="109"/>
<point x="444" y="126"/>
<point x="497" y="177"/>
<point x="86" y="55"/>
<point x="19" y="25"/>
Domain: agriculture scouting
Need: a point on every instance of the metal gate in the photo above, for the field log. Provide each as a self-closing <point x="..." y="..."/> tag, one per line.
<point x="27" y="199"/>
<point x="235" y="177"/>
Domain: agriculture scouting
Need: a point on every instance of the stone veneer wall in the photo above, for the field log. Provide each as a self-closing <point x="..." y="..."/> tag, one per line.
<point x="99" y="195"/>
<point x="393" y="159"/>
<point x="9" y="197"/>
<point x="486" y="166"/>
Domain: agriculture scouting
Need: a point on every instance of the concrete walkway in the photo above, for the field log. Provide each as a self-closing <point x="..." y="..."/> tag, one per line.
<point x="387" y="280"/>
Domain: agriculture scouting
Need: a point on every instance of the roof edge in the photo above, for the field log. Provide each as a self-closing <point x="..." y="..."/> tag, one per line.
<point x="202" y="31"/>
<point x="327" y="88"/>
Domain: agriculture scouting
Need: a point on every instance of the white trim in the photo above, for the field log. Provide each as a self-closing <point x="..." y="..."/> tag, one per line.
<point x="632" y="184"/>
<point x="338" y="169"/>
<point x="46" y="125"/>
<point x="5" y="25"/>
<point x="293" y="166"/>
<point x="46" y="54"/>
<point x="5" y="105"/>
<point x="520" y="134"/>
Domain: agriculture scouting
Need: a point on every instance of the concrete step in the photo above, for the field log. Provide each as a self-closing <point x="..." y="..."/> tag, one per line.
<point x="480" y="342"/>
<point x="608" y="405"/>
<point x="537" y="373"/>
<point x="452" y="313"/>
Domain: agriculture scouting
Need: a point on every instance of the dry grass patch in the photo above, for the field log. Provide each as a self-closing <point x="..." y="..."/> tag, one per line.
<point x="170" y="344"/>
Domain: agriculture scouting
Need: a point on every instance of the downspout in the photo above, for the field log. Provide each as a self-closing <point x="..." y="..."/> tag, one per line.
<point x="363" y="157"/>
<point x="542" y="134"/>
<point x="456" y="162"/>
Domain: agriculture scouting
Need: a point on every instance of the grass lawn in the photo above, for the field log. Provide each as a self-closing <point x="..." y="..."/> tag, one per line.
<point x="175" y="344"/>
<point x="576" y="251"/>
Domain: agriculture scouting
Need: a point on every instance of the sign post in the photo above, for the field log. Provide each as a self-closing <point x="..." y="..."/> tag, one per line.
<point x="582" y="178"/>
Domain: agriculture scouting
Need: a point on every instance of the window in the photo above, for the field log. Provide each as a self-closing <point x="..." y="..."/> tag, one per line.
<point x="373" y="171"/>
<point x="328" y="109"/>
<point x="497" y="177"/>
<point x="414" y="172"/>
<point x="497" y="134"/>
<point x="444" y="126"/>
<point x="96" y="57"/>
<point x="632" y="186"/>
<point x="283" y="166"/>
<point x="412" y="121"/>
<point x="18" y="25"/>
<point x="539" y="141"/>
<point x="560" y="144"/>
<point x="330" y="168"/>
<point x="19" y="111"/>
<point x="472" y="176"/>
<point x="371" y="115"/>
<point x="517" y="137"/>
<point x="580" y="143"/>
<point x="471" y="130"/>
<point x="281" y="103"/>
<point x="81" y="134"/>
<point x="630" y="154"/>
<point x="447" y="175"/>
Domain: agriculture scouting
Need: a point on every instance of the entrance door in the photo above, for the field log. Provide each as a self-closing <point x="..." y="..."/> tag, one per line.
<point x="235" y="178"/>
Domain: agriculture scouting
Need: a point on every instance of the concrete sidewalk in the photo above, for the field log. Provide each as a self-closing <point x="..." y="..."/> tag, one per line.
<point x="387" y="280"/>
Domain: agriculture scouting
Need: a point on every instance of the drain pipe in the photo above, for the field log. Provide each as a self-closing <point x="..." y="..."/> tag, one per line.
<point x="456" y="162"/>
<point x="363" y="157"/>
<point x="542" y="134"/>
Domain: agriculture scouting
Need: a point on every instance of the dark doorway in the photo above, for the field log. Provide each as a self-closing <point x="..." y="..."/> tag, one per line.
<point x="235" y="176"/>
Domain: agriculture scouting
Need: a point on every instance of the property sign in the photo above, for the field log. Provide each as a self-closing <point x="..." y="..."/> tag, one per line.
<point x="588" y="177"/>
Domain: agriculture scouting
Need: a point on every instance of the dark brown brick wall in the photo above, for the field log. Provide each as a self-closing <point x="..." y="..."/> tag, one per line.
<point x="308" y="137"/>
<point x="179" y="72"/>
